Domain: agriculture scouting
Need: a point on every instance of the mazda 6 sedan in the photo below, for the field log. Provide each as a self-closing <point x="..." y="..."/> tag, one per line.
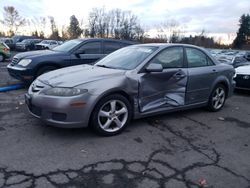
<point x="133" y="82"/>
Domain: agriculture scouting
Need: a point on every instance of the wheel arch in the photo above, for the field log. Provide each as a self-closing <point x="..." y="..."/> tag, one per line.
<point x="223" y="81"/>
<point x="46" y="64"/>
<point x="112" y="92"/>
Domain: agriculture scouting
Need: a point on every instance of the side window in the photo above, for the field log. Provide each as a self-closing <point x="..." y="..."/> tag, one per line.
<point x="197" y="58"/>
<point x="111" y="47"/>
<point x="170" y="58"/>
<point x="90" y="48"/>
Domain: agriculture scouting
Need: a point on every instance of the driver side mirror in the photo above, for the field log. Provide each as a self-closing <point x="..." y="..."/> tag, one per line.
<point x="153" y="67"/>
<point x="78" y="53"/>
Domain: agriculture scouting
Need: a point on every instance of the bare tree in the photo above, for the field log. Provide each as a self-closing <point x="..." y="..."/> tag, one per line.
<point x="114" y="24"/>
<point x="12" y="19"/>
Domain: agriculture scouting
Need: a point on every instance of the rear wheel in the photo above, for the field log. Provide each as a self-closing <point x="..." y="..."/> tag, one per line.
<point x="44" y="70"/>
<point x="111" y="115"/>
<point x="217" y="98"/>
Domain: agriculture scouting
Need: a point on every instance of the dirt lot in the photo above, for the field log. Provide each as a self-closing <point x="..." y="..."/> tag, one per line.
<point x="193" y="148"/>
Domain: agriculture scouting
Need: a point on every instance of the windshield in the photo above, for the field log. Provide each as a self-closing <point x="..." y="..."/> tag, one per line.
<point x="67" y="46"/>
<point x="45" y="42"/>
<point x="27" y="40"/>
<point x="127" y="58"/>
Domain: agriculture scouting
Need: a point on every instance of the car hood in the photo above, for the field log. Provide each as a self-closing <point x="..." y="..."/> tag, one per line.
<point x="243" y="70"/>
<point x="78" y="75"/>
<point x="34" y="54"/>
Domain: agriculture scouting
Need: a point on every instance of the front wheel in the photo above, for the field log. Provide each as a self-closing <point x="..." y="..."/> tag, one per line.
<point x="111" y="115"/>
<point x="217" y="98"/>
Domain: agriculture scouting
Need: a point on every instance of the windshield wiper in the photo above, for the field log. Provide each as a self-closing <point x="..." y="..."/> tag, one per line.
<point x="105" y="66"/>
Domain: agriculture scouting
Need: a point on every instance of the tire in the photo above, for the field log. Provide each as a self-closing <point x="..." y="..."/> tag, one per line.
<point x="217" y="98"/>
<point x="2" y="58"/>
<point x="45" y="70"/>
<point x="106" y="120"/>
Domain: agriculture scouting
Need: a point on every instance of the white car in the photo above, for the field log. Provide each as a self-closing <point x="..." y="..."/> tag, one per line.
<point x="47" y="44"/>
<point x="242" y="77"/>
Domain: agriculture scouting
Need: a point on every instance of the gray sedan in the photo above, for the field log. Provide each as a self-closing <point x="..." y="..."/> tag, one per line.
<point x="132" y="82"/>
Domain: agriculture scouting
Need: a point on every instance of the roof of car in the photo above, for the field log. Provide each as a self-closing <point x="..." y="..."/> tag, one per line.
<point x="106" y="39"/>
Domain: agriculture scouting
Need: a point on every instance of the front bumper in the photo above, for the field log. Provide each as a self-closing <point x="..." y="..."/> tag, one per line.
<point x="59" y="111"/>
<point x="20" y="73"/>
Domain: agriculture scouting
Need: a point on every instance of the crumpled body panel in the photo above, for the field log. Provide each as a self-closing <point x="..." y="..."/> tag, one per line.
<point x="164" y="89"/>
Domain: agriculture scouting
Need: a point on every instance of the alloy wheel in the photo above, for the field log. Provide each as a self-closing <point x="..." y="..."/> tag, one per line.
<point x="218" y="98"/>
<point x="113" y="115"/>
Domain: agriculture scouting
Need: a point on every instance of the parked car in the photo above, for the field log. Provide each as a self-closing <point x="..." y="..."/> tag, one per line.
<point x="242" y="77"/>
<point x="27" y="66"/>
<point x="235" y="61"/>
<point x="47" y="44"/>
<point x="247" y="55"/>
<point x="4" y="51"/>
<point x="9" y="42"/>
<point x="133" y="82"/>
<point x="27" y="44"/>
<point x="20" y="38"/>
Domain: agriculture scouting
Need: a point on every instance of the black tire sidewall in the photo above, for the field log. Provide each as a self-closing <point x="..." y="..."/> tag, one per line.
<point x="94" y="118"/>
<point x="210" y="102"/>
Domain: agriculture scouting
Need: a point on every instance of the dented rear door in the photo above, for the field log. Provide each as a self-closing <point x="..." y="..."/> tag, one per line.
<point x="164" y="89"/>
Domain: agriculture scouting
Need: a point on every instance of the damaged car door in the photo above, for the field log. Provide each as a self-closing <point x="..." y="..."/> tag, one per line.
<point x="166" y="88"/>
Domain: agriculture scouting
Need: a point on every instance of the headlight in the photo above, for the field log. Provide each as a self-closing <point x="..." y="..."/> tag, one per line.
<point x="25" y="62"/>
<point x="64" y="92"/>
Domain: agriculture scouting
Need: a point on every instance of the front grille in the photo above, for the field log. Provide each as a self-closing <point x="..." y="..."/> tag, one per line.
<point x="14" y="61"/>
<point x="242" y="81"/>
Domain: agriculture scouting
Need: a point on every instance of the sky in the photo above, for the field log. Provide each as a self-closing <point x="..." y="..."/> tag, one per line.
<point x="219" y="18"/>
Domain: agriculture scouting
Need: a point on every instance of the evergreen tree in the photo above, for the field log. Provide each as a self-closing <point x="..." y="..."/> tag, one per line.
<point x="243" y="34"/>
<point x="74" y="30"/>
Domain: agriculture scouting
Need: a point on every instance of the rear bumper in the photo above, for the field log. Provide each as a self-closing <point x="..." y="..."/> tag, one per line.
<point x="20" y="73"/>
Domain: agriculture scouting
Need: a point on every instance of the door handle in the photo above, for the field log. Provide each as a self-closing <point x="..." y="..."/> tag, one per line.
<point x="179" y="75"/>
<point x="215" y="71"/>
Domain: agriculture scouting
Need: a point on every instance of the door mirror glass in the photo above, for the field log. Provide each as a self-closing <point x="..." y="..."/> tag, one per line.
<point x="153" y="67"/>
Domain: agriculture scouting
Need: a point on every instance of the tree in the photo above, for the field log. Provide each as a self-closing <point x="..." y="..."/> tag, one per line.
<point x="243" y="34"/>
<point x="114" y="24"/>
<point x="12" y="19"/>
<point x="74" y="30"/>
<point x="54" y="30"/>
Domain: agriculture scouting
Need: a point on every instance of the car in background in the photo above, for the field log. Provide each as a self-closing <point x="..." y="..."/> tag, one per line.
<point x="20" y="38"/>
<point x="247" y="55"/>
<point x="9" y="42"/>
<point x="27" y="44"/>
<point x="29" y="65"/>
<point x="242" y="77"/>
<point x="133" y="82"/>
<point x="235" y="61"/>
<point x="4" y="51"/>
<point x="47" y="44"/>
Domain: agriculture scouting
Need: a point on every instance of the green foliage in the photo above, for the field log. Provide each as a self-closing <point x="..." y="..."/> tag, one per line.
<point x="243" y="34"/>
<point x="74" y="30"/>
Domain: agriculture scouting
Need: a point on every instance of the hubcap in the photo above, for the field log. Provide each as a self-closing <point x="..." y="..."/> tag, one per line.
<point x="112" y="115"/>
<point x="218" y="98"/>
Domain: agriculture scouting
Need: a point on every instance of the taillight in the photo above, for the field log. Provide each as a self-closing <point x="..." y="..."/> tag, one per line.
<point x="6" y="49"/>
